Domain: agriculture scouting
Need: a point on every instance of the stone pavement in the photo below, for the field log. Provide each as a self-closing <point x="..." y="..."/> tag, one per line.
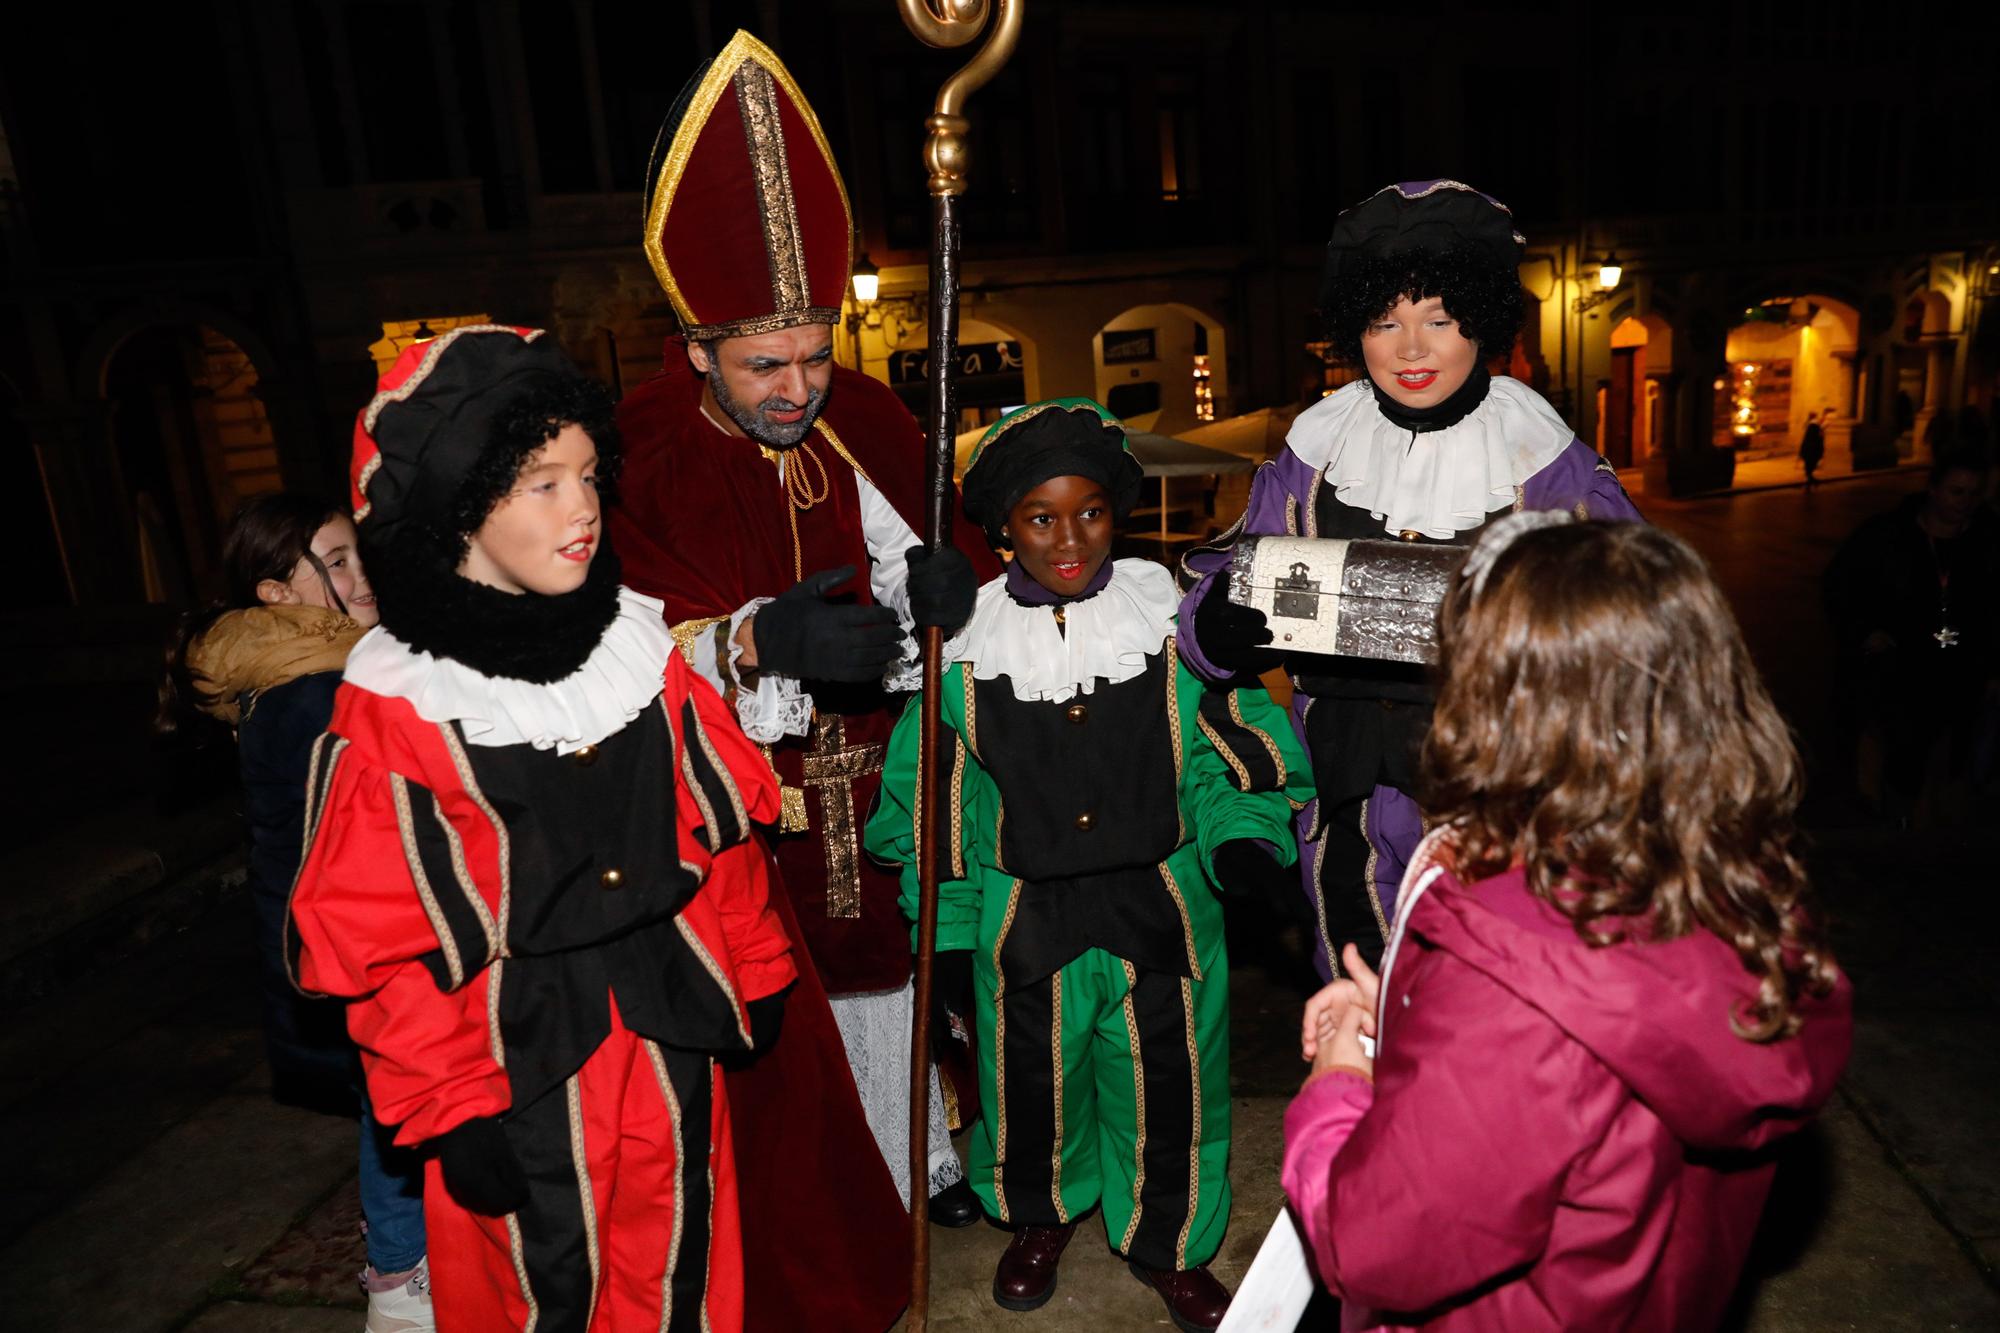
<point x="155" y="1185"/>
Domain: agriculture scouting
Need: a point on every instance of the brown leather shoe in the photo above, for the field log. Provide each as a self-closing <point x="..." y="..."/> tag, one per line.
<point x="1026" y="1277"/>
<point x="1195" y="1301"/>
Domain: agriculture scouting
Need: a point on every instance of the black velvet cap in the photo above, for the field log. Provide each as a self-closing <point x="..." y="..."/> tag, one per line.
<point x="431" y="428"/>
<point x="1420" y="215"/>
<point x="1064" y="437"/>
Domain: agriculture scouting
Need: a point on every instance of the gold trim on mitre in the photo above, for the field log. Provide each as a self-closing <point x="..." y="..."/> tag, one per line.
<point x="743" y="49"/>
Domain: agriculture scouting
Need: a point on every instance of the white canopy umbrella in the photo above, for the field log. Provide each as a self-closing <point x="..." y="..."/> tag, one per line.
<point x="1254" y="435"/>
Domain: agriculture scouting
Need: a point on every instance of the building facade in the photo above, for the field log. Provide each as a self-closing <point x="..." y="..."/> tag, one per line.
<point x="215" y="243"/>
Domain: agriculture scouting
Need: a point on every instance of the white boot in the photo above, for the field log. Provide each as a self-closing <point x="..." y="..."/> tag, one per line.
<point x="403" y="1309"/>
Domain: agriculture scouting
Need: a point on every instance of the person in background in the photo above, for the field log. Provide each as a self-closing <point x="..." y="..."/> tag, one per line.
<point x="1812" y="447"/>
<point x="1605" y="995"/>
<point x="266" y="660"/>
<point x="1913" y="596"/>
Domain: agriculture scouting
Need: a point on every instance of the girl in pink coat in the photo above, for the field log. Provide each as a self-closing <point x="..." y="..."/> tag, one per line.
<point x="1604" y="998"/>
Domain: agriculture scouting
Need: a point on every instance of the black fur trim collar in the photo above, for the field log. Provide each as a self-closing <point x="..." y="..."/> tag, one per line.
<point x="427" y="605"/>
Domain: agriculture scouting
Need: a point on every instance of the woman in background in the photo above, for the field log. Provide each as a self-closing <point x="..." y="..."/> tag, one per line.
<point x="265" y="659"/>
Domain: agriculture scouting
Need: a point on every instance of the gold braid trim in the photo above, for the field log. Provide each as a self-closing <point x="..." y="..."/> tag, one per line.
<point x="580" y="1158"/>
<point x="1055" y="1052"/>
<point x="1174" y="725"/>
<point x="399" y="792"/>
<point x="799" y="492"/>
<point x="1000" y="1055"/>
<point x="673" y="1102"/>
<point x="1139" y="1107"/>
<point x="688" y="631"/>
<point x="1194" y="1136"/>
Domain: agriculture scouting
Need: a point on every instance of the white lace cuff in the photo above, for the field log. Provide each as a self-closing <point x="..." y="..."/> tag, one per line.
<point x="769" y="707"/>
<point x="906" y="674"/>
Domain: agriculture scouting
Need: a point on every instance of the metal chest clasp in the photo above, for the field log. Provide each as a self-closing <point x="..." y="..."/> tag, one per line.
<point x="1296" y="596"/>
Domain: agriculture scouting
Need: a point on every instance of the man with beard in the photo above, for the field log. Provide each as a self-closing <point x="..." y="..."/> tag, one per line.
<point x="772" y="500"/>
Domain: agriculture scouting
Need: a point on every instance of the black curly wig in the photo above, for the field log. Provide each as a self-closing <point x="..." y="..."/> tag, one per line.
<point x="1484" y="297"/>
<point x="519" y="431"/>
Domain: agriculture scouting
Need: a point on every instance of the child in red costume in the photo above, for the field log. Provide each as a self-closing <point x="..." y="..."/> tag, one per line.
<point x="529" y="864"/>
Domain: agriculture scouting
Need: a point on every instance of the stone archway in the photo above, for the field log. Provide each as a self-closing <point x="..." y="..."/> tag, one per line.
<point x="1162" y="367"/>
<point x="188" y="433"/>
<point x="1789" y="355"/>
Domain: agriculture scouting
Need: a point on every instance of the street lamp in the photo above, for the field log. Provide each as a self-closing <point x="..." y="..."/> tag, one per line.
<point x="1610" y="272"/>
<point x="867" y="280"/>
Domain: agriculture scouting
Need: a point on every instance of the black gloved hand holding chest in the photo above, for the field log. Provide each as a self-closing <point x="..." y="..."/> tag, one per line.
<point x="1233" y="637"/>
<point x="801" y="634"/>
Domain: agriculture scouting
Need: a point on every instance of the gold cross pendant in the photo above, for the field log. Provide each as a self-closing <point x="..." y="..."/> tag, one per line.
<point x="830" y="769"/>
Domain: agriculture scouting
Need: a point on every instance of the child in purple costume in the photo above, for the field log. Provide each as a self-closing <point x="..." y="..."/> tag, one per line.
<point x="1421" y="290"/>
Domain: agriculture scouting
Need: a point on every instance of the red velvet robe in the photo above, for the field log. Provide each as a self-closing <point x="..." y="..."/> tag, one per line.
<point x="701" y="524"/>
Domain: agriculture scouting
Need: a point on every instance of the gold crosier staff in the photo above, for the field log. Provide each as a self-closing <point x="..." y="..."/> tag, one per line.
<point x="945" y="24"/>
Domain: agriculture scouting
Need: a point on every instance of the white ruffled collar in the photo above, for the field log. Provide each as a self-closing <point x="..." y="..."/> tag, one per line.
<point x="620" y="678"/>
<point x="1438" y="483"/>
<point x="1109" y="636"/>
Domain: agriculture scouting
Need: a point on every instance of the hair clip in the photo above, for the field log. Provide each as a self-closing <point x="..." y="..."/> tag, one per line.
<point x="1501" y="534"/>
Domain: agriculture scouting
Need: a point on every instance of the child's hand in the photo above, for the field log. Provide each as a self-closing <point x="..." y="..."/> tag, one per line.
<point x="1323" y="1014"/>
<point x="1365" y="980"/>
<point x="1340" y="1047"/>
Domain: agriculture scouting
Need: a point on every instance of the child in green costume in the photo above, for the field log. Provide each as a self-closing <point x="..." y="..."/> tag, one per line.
<point x="1096" y="795"/>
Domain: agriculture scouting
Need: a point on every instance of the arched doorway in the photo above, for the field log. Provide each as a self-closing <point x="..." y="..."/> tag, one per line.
<point x="1631" y="420"/>
<point x="191" y="439"/>
<point x="1789" y="357"/>
<point x="1163" y="368"/>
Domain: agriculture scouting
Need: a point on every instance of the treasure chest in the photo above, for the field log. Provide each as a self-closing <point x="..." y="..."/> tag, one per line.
<point x="1376" y="599"/>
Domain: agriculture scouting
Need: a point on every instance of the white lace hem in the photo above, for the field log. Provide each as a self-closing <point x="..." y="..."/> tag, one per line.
<point x="875" y="1030"/>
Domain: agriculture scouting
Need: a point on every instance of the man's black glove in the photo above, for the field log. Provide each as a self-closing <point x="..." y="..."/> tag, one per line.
<point x="1232" y="636"/>
<point x="480" y="1168"/>
<point x="803" y="635"/>
<point x="942" y="588"/>
<point x="1246" y="870"/>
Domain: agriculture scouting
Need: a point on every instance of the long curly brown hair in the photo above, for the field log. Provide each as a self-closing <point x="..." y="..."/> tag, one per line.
<point x="1600" y="723"/>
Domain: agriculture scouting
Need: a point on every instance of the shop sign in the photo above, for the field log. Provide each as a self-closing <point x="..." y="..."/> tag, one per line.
<point x="975" y="361"/>
<point x="1127" y="345"/>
